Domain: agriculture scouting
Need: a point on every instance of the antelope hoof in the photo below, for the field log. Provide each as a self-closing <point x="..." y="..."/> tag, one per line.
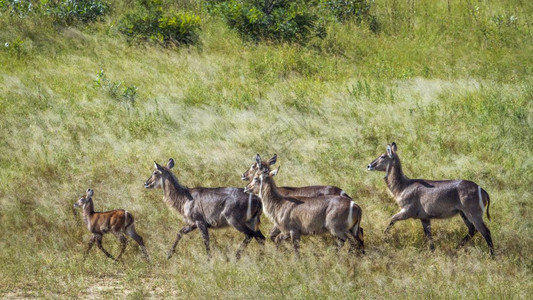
<point x="169" y="254"/>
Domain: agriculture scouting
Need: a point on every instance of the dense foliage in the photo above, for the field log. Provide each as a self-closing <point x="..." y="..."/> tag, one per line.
<point x="64" y="12"/>
<point x="272" y="20"/>
<point x="157" y="24"/>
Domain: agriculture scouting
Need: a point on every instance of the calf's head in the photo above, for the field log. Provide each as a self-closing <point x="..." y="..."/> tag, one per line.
<point x="84" y="199"/>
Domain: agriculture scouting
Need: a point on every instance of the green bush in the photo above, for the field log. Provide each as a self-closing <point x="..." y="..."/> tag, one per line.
<point x="272" y="20"/>
<point x="71" y="11"/>
<point x="344" y="10"/>
<point x="164" y="27"/>
<point x="16" y="7"/>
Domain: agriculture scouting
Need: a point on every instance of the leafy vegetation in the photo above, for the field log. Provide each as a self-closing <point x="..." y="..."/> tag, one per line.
<point x="65" y="12"/>
<point x="270" y="19"/>
<point x="449" y="81"/>
<point x="70" y="11"/>
<point x="150" y="22"/>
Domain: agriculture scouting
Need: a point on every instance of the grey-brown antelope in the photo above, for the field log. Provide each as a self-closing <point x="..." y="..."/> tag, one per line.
<point x="117" y="221"/>
<point x="427" y="199"/>
<point x="296" y="216"/>
<point x="205" y="208"/>
<point x="304" y="191"/>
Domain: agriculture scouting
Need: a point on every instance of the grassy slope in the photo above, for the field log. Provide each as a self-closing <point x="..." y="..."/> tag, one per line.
<point x="454" y="90"/>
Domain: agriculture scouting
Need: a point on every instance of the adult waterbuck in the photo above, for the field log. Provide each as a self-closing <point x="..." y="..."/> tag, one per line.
<point x="304" y="191"/>
<point x="117" y="221"/>
<point x="205" y="208"/>
<point x="296" y="216"/>
<point x="427" y="199"/>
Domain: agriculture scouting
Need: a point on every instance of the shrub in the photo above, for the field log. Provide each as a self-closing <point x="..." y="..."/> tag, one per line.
<point x="71" y="11"/>
<point x="344" y="10"/>
<point x="16" y="7"/>
<point x="164" y="27"/>
<point x="273" y="20"/>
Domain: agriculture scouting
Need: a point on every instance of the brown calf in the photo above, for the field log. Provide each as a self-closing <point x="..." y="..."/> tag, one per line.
<point x="117" y="221"/>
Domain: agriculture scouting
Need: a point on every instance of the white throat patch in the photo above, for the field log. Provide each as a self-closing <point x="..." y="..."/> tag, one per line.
<point x="249" y="210"/>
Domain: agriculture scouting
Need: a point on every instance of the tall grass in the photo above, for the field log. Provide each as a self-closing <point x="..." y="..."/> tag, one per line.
<point x="452" y="87"/>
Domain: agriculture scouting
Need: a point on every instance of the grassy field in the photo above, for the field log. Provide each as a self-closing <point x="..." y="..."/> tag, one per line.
<point x="451" y="83"/>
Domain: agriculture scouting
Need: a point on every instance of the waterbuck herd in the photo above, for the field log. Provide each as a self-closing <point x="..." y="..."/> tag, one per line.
<point x="294" y="211"/>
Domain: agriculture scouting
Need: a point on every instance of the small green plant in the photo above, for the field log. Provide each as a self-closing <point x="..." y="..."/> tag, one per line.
<point x="114" y="89"/>
<point x="167" y="28"/>
<point x="15" y="47"/>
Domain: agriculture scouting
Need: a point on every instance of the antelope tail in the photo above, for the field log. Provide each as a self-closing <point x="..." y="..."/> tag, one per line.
<point x="488" y="203"/>
<point x="128" y="219"/>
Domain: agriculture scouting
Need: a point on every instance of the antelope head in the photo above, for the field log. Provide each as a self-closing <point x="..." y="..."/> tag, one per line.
<point x="160" y="172"/>
<point x="250" y="173"/>
<point x="255" y="185"/>
<point x="384" y="160"/>
<point x="84" y="199"/>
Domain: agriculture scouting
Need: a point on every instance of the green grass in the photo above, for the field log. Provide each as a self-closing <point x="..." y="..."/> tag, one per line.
<point x="454" y="89"/>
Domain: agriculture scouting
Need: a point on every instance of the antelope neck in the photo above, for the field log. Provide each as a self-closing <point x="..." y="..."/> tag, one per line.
<point x="88" y="210"/>
<point x="174" y="192"/>
<point x="394" y="177"/>
<point x="268" y="188"/>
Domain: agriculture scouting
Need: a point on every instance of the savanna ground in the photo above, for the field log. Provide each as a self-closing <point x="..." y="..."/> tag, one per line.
<point x="451" y="83"/>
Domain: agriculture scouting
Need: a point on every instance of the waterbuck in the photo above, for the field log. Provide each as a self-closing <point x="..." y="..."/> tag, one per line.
<point x="117" y="221"/>
<point x="205" y="208"/>
<point x="304" y="191"/>
<point x="427" y="199"/>
<point x="296" y="216"/>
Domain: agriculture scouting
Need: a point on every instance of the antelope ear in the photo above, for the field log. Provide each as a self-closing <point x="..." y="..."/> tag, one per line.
<point x="158" y="166"/>
<point x="90" y="193"/>
<point x="274" y="172"/>
<point x="258" y="160"/>
<point x="170" y="163"/>
<point x="389" y="151"/>
<point x="394" y="147"/>
<point x="272" y="160"/>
